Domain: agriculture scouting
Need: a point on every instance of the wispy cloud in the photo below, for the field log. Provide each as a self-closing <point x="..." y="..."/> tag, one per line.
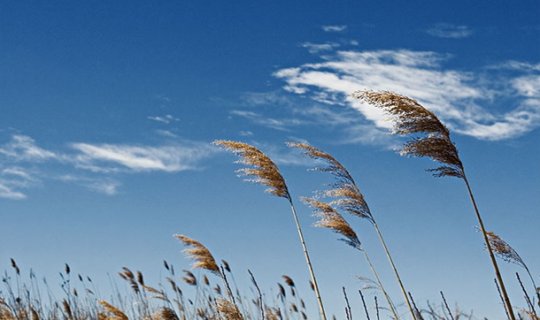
<point x="451" y="31"/>
<point x="167" y="158"/>
<point x="164" y="119"/>
<point x="334" y="28"/>
<point x="103" y="185"/>
<point x="282" y="124"/>
<point x="24" y="148"/>
<point x="24" y="164"/>
<point x="315" y="48"/>
<point x="7" y="192"/>
<point x="454" y="95"/>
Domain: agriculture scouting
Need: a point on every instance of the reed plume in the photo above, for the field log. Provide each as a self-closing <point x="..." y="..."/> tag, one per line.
<point x="348" y="197"/>
<point x="331" y="219"/>
<point x="431" y="139"/>
<point x="508" y="254"/>
<point x="200" y="254"/>
<point x="228" y="310"/>
<point x="116" y="313"/>
<point x="261" y="169"/>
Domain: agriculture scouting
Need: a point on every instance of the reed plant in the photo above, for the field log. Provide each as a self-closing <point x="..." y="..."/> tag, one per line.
<point x="431" y="139"/>
<point x="348" y="197"/>
<point x="261" y="169"/>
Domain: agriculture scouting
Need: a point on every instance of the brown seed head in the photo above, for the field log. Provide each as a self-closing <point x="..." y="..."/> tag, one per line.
<point x="344" y="190"/>
<point x="410" y="118"/>
<point x="288" y="280"/>
<point x="331" y="219"/>
<point x="263" y="170"/>
<point x="202" y="256"/>
<point x="504" y="250"/>
<point x="117" y="314"/>
<point x="228" y="310"/>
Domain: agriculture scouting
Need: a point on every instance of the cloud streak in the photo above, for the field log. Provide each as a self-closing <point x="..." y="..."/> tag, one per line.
<point x="167" y="158"/>
<point x="456" y="96"/>
<point x="334" y="28"/>
<point x="449" y="31"/>
<point x="90" y="165"/>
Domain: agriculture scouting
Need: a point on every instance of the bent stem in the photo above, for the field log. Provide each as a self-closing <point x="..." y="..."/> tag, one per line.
<point x="504" y="294"/>
<point x="308" y="261"/>
<point x="402" y="287"/>
<point x="376" y="274"/>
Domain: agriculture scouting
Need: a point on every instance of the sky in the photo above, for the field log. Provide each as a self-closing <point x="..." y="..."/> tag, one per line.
<point x="109" y="110"/>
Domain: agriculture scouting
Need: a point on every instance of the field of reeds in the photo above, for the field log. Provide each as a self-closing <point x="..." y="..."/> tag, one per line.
<point x="215" y="294"/>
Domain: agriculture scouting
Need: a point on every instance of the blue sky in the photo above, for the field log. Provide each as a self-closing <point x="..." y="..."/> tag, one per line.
<point x="109" y="108"/>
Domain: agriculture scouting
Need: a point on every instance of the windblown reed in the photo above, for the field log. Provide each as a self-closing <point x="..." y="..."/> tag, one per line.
<point x="331" y="219"/>
<point x="347" y="196"/>
<point x="431" y="139"/>
<point x="264" y="171"/>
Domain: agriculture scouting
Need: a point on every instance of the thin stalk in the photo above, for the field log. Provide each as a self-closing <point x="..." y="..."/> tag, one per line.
<point x="504" y="294"/>
<point x="364" y="304"/>
<point x="376" y="274"/>
<point x="527" y="298"/>
<point x="381" y="238"/>
<point x="308" y="261"/>
<point x="536" y="291"/>
<point x="500" y="296"/>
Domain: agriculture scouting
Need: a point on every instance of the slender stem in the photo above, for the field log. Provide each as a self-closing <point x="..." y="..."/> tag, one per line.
<point x="308" y="261"/>
<point x="536" y="290"/>
<point x="381" y="238"/>
<point x="504" y="294"/>
<point x="527" y="298"/>
<point x="364" y="303"/>
<point x="376" y="274"/>
<point x="500" y="296"/>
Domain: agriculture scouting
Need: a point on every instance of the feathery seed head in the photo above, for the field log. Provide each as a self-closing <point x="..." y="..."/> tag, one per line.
<point x="331" y="219"/>
<point x="504" y="250"/>
<point x="263" y="170"/>
<point x="345" y="191"/>
<point x="228" y="310"/>
<point x="411" y="118"/>
<point x="198" y="252"/>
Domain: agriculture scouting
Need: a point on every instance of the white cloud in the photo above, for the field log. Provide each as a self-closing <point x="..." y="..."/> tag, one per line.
<point x="334" y="28"/>
<point x="24" y="164"/>
<point x="168" y="158"/>
<point x="454" y="95"/>
<point x="24" y="148"/>
<point x="282" y="124"/>
<point x="319" y="47"/>
<point x="164" y="119"/>
<point x="7" y="192"/>
<point x="446" y="30"/>
<point x="103" y="185"/>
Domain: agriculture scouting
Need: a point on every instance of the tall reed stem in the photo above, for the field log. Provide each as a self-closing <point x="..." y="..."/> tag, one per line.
<point x="308" y="260"/>
<point x="504" y="294"/>
<point x="376" y="274"/>
<point x="381" y="238"/>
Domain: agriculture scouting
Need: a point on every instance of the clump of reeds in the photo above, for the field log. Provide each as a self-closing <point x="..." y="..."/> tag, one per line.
<point x="261" y="169"/>
<point x="431" y="139"/>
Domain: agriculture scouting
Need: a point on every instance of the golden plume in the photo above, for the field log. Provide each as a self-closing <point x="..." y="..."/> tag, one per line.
<point x="263" y="169"/>
<point x="228" y="310"/>
<point x="202" y="256"/>
<point x="411" y="118"/>
<point x="347" y="194"/>
<point x="331" y="219"/>
<point x="117" y="314"/>
<point x="504" y="250"/>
